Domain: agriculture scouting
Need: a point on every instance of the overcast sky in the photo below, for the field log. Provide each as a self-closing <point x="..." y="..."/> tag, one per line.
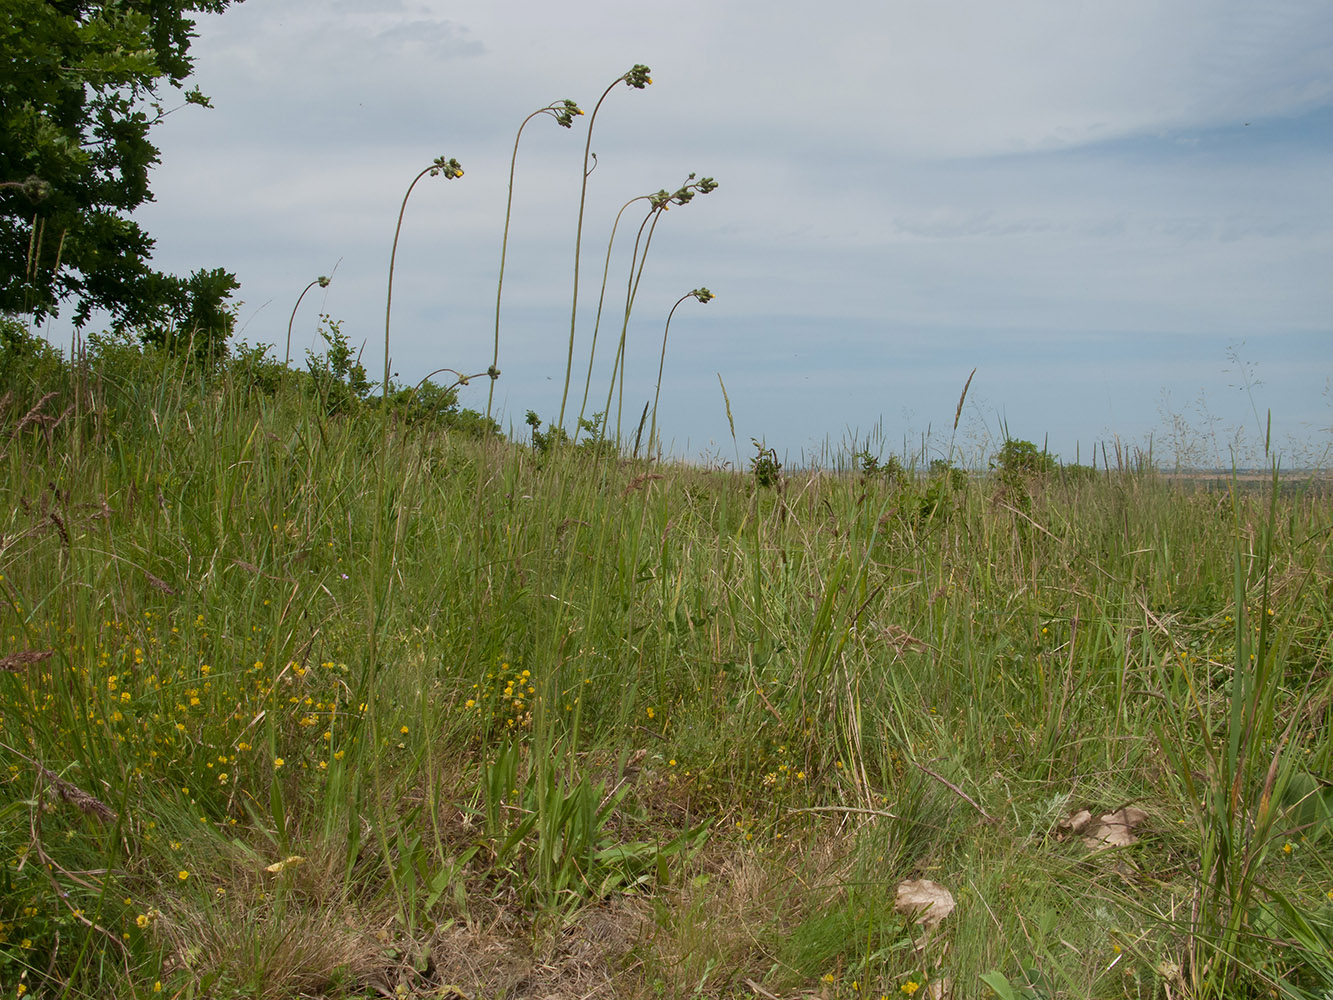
<point x="1119" y="213"/>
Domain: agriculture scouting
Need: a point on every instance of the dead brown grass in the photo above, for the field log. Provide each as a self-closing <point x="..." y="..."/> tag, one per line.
<point x="724" y="928"/>
<point x="283" y="954"/>
<point x="16" y="662"/>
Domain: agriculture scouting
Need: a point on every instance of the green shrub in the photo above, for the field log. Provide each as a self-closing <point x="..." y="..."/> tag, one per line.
<point x="1023" y="459"/>
<point x="764" y="466"/>
<point x="337" y="377"/>
<point x="871" y="468"/>
<point x="942" y="486"/>
<point x="943" y="469"/>
<point x="254" y="371"/>
<point x="470" y="423"/>
<point x="28" y="364"/>
<point x="544" y="441"/>
<point x="1021" y="464"/>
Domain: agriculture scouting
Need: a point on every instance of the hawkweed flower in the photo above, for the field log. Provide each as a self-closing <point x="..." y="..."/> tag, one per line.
<point x="451" y="168"/>
<point x="563" y="112"/>
<point x="35" y="189"/>
<point x="686" y="192"/>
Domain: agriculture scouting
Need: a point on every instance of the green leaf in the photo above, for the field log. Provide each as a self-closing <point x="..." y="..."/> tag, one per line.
<point x="1000" y="984"/>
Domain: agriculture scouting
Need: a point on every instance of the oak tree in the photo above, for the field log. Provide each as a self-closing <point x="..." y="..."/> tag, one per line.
<point x="82" y="84"/>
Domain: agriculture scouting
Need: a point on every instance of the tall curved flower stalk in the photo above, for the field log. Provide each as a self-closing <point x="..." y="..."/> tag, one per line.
<point x="659" y="203"/>
<point x="601" y="301"/>
<point x="451" y="169"/>
<point x="563" y="112"/>
<point x="704" y="296"/>
<point x="638" y="77"/>
<point x="323" y="282"/>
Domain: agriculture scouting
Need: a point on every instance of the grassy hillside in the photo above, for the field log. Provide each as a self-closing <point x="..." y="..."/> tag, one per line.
<point x="307" y="700"/>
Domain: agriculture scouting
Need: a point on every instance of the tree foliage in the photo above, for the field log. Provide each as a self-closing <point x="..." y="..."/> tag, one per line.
<point x="79" y="94"/>
<point x="1023" y="458"/>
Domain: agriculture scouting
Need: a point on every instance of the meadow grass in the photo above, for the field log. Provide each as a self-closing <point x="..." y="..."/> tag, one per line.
<point x="299" y="704"/>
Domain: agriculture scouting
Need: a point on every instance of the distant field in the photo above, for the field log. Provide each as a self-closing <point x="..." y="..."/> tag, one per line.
<point x="1316" y="480"/>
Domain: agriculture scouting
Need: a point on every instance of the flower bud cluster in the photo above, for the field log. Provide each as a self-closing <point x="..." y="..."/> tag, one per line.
<point x="451" y="168"/>
<point x="683" y="195"/>
<point x="638" y="77"/>
<point x="564" y="112"/>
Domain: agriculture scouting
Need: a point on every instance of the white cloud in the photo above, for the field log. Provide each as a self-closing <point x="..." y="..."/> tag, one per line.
<point x="908" y="189"/>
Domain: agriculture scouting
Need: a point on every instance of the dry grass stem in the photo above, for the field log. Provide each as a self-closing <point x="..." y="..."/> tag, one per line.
<point x="23" y="659"/>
